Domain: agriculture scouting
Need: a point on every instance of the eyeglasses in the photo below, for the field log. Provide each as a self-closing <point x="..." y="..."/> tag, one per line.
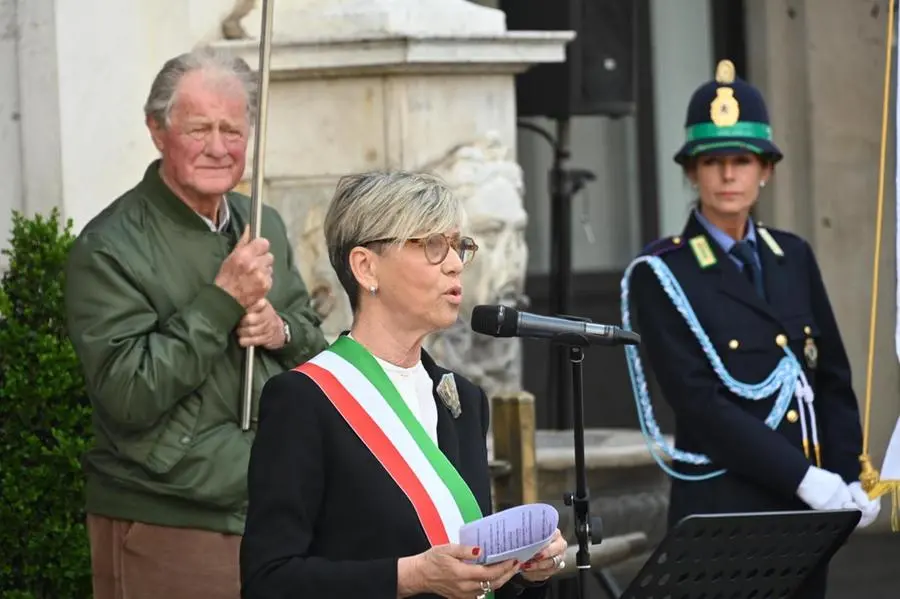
<point x="438" y="245"/>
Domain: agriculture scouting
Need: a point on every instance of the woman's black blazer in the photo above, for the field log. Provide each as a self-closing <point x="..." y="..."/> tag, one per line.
<point x="324" y="517"/>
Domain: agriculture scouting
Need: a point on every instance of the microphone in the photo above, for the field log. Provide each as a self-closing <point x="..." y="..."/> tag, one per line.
<point x="501" y="321"/>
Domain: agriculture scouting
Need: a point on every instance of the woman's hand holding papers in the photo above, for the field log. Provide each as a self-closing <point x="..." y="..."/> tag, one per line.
<point x="546" y="563"/>
<point x="444" y="570"/>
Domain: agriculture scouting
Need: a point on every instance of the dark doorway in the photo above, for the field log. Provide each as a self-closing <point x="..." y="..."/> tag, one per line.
<point x="609" y="401"/>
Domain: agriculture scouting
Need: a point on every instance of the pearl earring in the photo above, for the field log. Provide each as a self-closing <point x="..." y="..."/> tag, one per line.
<point x="762" y="183"/>
<point x="373" y="289"/>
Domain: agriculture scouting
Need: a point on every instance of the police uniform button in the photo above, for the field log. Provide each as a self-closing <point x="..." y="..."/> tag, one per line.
<point x="676" y="240"/>
<point x="781" y="340"/>
<point x="734" y="344"/>
<point x="807" y="330"/>
<point x="792" y="416"/>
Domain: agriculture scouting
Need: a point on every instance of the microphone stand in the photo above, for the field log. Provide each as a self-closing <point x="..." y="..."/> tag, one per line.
<point x="579" y="501"/>
<point x="497" y="321"/>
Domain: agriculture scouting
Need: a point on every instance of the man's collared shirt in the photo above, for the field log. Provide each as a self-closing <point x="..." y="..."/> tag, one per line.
<point x="224" y="217"/>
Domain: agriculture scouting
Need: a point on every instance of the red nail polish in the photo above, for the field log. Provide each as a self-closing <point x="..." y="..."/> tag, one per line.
<point x="476" y="551"/>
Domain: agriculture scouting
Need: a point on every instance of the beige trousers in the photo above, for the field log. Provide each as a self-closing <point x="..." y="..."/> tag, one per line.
<point x="132" y="560"/>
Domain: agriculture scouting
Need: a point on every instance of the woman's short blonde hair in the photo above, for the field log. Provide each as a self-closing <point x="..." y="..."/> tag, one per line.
<point x="396" y="206"/>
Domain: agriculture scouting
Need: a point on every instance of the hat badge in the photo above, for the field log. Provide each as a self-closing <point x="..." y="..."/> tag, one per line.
<point x="724" y="110"/>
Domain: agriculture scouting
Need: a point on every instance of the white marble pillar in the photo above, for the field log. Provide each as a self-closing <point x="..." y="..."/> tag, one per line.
<point x="827" y="121"/>
<point x="10" y="140"/>
<point x="84" y="69"/>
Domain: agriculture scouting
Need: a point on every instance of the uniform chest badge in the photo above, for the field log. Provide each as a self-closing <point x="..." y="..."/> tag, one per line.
<point x="811" y="353"/>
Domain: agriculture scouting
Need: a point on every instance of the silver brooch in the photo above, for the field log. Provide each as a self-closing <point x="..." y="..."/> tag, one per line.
<point x="449" y="395"/>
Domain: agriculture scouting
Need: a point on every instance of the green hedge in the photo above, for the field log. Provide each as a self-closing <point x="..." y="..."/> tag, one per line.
<point x="44" y="423"/>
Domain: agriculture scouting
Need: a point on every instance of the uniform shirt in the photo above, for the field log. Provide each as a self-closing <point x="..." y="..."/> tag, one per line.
<point x="726" y="242"/>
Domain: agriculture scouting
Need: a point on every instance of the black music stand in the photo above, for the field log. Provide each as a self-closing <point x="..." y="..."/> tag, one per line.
<point x="739" y="556"/>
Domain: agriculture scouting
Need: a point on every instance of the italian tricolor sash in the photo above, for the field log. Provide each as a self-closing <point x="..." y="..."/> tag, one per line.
<point x="363" y="394"/>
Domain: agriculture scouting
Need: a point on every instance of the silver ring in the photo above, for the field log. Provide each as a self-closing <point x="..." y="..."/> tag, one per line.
<point x="485" y="586"/>
<point x="556" y="562"/>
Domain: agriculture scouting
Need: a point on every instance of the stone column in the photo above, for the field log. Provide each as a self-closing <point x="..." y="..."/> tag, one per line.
<point x="73" y="79"/>
<point x="10" y="139"/>
<point x="84" y="69"/>
<point x="411" y="84"/>
<point x="820" y="64"/>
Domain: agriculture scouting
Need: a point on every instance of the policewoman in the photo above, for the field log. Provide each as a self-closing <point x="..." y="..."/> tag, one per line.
<point x="740" y="336"/>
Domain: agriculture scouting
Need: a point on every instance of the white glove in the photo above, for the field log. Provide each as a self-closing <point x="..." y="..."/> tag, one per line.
<point x="824" y="490"/>
<point x="870" y="508"/>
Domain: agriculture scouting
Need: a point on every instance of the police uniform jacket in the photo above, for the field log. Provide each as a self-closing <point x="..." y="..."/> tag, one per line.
<point x="764" y="466"/>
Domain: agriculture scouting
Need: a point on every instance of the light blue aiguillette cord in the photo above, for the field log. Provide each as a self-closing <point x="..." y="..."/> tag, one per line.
<point x="782" y="379"/>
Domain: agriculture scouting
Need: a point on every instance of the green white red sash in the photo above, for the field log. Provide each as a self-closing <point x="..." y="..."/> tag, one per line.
<point x="363" y="394"/>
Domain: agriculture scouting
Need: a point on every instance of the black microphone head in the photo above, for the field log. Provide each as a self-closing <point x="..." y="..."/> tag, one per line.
<point x="496" y="321"/>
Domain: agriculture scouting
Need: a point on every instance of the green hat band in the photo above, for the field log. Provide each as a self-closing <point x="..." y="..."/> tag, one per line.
<point x="718" y="145"/>
<point x="741" y="129"/>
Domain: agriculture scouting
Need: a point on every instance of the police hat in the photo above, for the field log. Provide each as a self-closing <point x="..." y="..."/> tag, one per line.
<point x="727" y="115"/>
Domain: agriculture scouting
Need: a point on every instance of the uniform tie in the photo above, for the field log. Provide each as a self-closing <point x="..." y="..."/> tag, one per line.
<point x="743" y="251"/>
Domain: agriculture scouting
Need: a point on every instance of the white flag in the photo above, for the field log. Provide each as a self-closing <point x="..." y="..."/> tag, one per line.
<point x="890" y="468"/>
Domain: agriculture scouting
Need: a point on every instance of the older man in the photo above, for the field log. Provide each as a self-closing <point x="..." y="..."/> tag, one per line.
<point x="164" y="289"/>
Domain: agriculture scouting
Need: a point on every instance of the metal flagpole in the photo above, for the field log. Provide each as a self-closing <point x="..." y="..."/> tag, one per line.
<point x="265" y="51"/>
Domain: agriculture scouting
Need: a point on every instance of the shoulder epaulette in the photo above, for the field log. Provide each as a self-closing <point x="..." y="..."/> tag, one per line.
<point x="779" y="241"/>
<point x="780" y="232"/>
<point x="663" y="245"/>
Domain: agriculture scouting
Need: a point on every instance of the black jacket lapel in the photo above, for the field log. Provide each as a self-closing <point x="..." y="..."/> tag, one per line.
<point x="448" y="440"/>
<point x="775" y="277"/>
<point x="729" y="278"/>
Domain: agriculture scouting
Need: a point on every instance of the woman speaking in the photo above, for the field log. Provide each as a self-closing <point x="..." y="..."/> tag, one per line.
<point x="369" y="457"/>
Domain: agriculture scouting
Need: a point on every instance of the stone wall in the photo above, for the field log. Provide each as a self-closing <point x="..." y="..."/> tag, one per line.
<point x="820" y="64"/>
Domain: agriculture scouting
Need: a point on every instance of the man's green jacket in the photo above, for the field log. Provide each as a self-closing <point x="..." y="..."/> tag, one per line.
<point x="163" y="368"/>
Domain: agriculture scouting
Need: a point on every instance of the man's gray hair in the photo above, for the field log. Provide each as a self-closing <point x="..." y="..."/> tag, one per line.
<point x="396" y="206"/>
<point x="164" y="89"/>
